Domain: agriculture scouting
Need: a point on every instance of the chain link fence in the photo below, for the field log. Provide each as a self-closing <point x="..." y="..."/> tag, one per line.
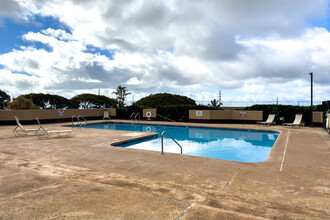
<point x="250" y="103"/>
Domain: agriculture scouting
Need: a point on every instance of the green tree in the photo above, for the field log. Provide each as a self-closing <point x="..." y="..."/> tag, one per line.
<point x="4" y="99"/>
<point x="60" y="102"/>
<point x="48" y="101"/>
<point x="103" y="101"/>
<point x="121" y="94"/>
<point x="22" y="103"/>
<point x="93" y="101"/>
<point x="215" y="103"/>
<point x="164" y="99"/>
<point x="38" y="99"/>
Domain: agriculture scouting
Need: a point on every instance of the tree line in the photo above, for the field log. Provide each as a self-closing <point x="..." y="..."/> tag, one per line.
<point x="49" y="101"/>
<point x="171" y="106"/>
<point x="87" y="101"/>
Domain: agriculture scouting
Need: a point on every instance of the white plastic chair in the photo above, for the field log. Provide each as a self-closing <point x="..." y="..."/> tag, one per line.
<point x="106" y="115"/>
<point x="296" y="122"/>
<point x="59" y="133"/>
<point x="20" y="131"/>
<point x="269" y="121"/>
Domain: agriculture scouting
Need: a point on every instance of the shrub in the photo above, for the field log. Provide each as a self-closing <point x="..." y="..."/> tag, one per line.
<point x="164" y="99"/>
<point x="87" y="100"/>
<point x="4" y="99"/>
<point x="22" y="103"/>
<point x="286" y="111"/>
<point x="178" y="113"/>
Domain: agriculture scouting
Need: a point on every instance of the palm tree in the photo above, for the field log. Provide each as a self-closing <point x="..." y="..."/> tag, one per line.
<point x="215" y="103"/>
<point x="121" y="94"/>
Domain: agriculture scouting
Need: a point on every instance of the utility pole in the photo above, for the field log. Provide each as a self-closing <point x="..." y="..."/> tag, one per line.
<point x="220" y="98"/>
<point x="311" y="74"/>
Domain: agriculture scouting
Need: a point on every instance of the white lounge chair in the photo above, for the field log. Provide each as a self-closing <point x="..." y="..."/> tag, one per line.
<point x="59" y="133"/>
<point x="269" y="121"/>
<point x="20" y="131"/>
<point x="106" y="115"/>
<point x="297" y="121"/>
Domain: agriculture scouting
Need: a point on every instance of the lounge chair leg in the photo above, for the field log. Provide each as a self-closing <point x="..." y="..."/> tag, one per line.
<point x="17" y="134"/>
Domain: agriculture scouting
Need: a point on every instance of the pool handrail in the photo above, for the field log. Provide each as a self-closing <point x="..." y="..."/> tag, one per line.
<point x="82" y="119"/>
<point x="137" y="114"/>
<point x="132" y="115"/>
<point x="77" y="123"/>
<point x="166" y="118"/>
<point x="162" y="142"/>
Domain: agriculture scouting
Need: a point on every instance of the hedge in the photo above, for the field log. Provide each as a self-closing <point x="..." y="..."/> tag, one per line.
<point x="179" y="113"/>
<point x="288" y="112"/>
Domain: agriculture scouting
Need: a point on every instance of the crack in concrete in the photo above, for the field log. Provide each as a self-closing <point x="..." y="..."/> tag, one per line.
<point x="230" y="180"/>
<point x="240" y="214"/>
<point x="286" y="145"/>
<point x="185" y="211"/>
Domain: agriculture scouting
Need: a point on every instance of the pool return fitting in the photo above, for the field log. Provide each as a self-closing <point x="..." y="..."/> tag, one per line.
<point x="162" y="143"/>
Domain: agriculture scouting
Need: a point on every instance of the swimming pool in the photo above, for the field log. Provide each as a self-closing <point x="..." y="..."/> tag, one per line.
<point x="226" y="144"/>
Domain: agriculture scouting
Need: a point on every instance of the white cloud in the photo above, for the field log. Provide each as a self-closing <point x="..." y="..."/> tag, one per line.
<point x="252" y="49"/>
<point x="16" y="83"/>
<point x="134" y="81"/>
<point x="60" y="34"/>
<point x="11" y="9"/>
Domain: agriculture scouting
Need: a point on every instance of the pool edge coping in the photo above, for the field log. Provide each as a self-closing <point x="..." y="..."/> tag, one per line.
<point x="275" y="145"/>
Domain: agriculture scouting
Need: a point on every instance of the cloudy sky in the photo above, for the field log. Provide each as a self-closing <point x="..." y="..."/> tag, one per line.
<point x="251" y="50"/>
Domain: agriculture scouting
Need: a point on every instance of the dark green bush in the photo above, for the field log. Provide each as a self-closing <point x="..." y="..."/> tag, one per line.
<point x="178" y="113"/>
<point x="87" y="100"/>
<point x="4" y="99"/>
<point x="127" y="111"/>
<point x="164" y="99"/>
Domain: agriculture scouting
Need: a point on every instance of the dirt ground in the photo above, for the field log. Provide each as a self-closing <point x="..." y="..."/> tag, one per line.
<point x="84" y="177"/>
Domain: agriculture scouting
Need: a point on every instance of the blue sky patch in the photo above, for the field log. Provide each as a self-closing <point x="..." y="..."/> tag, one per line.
<point x="11" y="32"/>
<point x="191" y="50"/>
<point x="95" y="50"/>
<point x="21" y="72"/>
<point x="39" y="45"/>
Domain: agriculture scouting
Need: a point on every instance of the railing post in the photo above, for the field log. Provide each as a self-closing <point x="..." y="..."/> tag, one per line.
<point x="162" y="143"/>
<point x="137" y="114"/>
<point x="83" y="119"/>
<point x="132" y="115"/>
<point x="73" y="126"/>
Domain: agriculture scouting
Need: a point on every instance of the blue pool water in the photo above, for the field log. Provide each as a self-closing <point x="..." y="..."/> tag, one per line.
<point x="227" y="144"/>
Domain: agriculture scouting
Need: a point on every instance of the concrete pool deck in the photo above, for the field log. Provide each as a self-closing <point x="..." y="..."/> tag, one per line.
<point x="83" y="177"/>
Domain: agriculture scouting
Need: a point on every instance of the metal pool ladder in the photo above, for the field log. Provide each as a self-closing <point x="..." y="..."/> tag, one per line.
<point x="137" y="114"/>
<point x="171" y="138"/>
<point x="134" y="116"/>
<point x="81" y="117"/>
<point x="77" y="124"/>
